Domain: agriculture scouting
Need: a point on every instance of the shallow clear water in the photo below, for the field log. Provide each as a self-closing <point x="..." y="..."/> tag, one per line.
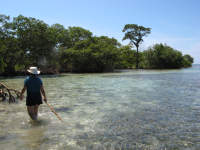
<point x="145" y="109"/>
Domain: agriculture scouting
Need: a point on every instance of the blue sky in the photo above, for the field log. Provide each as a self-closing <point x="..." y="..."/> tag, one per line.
<point x="174" y="22"/>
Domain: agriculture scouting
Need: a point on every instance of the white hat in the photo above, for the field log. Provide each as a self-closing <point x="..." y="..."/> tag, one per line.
<point x="33" y="70"/>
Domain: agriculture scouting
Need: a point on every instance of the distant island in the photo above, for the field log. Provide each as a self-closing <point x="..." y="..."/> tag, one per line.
<point x="27" y="41"/>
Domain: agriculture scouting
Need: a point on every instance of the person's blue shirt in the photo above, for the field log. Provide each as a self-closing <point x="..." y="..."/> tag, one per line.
<point x="33" y="84"/>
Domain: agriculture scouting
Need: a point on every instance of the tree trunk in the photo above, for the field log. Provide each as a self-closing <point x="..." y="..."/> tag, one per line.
<point x="137" y="58"/>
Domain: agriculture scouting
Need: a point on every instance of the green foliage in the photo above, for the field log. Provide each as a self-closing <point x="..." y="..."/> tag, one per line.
<point x="127" y="58"/>
<point x="10" y="54"/>
<point x="26" y="41"/>
<point x="187" y="61"/>
<point x="78" y="34"/>
<point x="35" y="38"/>
<point x="2" y="54"/>
<point x="162" y="56"/>
<point x="2" y="60"/>
<point x="135" y="34"/>
<point x="96" y="55"/>
<point x="60" y="35"/>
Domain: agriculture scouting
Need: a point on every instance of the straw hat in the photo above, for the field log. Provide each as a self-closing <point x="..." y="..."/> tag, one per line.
<point x="33" y="70"/>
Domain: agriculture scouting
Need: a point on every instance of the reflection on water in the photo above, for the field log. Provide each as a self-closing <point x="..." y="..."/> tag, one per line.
<point x="145" y="109"/>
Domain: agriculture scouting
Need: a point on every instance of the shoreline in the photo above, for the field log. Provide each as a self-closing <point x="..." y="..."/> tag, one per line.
<point x="22" y="74"/>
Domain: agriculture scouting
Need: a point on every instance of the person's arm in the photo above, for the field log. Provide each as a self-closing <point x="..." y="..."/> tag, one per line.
<point x="43" y="93"/>
<point x="22" y="92"/>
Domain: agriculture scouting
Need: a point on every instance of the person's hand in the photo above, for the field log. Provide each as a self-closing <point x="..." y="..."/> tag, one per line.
<point x="45" y="99"/>
<point x="21" y="97"/>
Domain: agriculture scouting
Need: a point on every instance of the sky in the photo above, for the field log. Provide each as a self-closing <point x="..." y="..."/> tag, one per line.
<point x="172" y="22"/>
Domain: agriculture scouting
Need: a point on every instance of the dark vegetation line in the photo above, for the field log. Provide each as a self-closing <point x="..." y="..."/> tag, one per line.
<point x="26" y="41"/>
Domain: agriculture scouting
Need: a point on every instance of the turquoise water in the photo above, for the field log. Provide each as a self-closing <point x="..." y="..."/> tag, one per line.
<point x="144" y="109"/>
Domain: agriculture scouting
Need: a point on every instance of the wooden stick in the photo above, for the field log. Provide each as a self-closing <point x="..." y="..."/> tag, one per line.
<point x="52" y="109"/>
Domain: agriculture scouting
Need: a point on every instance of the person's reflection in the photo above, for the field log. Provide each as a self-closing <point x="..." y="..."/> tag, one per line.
<point x="34" y="137"/>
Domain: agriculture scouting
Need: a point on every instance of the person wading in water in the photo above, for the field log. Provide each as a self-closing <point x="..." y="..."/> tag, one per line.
<point x="34" y="86"/>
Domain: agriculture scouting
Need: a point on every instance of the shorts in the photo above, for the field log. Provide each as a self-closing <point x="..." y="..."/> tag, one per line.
<point x="33" y="99"/>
